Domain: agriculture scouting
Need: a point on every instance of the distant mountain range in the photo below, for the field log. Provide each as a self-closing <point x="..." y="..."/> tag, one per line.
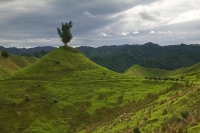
<point x="122" y="57"/>
<point x="150" y="55"/>
<point x="36" y="51"/>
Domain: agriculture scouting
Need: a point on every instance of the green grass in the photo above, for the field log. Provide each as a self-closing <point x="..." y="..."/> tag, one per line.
<point x="62" y="64"/>
<point x="139" y="71"/>
<point x="191" y="72"/>
<point x="66" y="92"/>
<point x="14" y="63"/>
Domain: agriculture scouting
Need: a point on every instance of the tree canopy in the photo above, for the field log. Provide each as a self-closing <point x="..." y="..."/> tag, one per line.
<point x="5" y="54"/>
<point x="65" y="33"/>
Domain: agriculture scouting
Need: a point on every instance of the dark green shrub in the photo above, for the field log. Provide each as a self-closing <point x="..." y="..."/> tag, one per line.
<point x="184" y="114"/>
<point x="57" y="62"/>
<point x="55" y="101"/>
<point x="136" y="130"/>
<point x="5" y="54"/>
<point x="27" y="98"/>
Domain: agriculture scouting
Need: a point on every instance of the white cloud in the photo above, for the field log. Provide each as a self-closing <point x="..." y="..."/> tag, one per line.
<point x="90" y="15"/>
<point x="169" y="32"/>
<point x="105" y="34"/>
<point x="164" y="32"/>
<point x="161" y="32"/>
<point x="152" y="32"/>
<point x="39" y="40"/>
<point x="125" y="33"/>
<point x="135" y="32"/>
<point x="186" y="16"/>
<point x="177" y="11"/>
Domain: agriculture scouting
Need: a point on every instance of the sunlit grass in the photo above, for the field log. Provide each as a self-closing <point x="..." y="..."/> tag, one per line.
<point x="66" y="92"/>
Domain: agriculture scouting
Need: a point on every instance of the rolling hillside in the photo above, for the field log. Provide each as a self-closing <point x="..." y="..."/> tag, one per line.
<point x="14" y="63"/>
<point x="64" y="63"/>
<point x="174" y="110"/>
<point x="66" y="92"/>
<point x="139" y="71"/>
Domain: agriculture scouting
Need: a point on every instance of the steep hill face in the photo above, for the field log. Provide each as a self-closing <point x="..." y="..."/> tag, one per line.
<point x="64" y="62"/>
<point x="14" y="63"/>
<point x="150" y="55"/>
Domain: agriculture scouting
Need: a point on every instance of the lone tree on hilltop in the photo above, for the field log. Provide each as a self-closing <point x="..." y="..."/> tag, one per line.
<point x="65" y="33"/>
<point x="5" y="54"/>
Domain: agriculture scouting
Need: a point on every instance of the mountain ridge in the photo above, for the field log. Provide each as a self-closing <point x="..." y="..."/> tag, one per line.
<point x="120" y="58"/>
<point x="20" y="51"/>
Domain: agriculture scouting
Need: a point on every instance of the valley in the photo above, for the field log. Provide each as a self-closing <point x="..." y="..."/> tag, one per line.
<point x="64" y="91"/>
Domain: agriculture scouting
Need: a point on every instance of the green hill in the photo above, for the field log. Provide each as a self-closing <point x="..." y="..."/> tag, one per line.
<point x="139" y="71"/>
<point x="63" y="63"/>
<point x="192" y="69"/>
<point x="190" y="73"/>
<point x="174" y="110"/>
<point x="14" y="63"/>
<point x="66" y="92"/>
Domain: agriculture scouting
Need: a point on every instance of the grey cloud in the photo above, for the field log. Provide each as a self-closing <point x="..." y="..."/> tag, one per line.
<point x="90" y="15"/>
<point x="189" y="26"/>
<point x="147" y="16"/>
<point x="38" y="24"/>
<point x="103" y="7"/>
<point x="3" y="1"/>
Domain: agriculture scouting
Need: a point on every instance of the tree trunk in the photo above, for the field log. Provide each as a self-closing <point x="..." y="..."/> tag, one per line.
<point x="65" y="45"/>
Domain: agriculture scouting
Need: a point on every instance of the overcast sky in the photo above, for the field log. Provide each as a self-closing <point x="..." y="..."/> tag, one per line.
<point x="30" y="23"/>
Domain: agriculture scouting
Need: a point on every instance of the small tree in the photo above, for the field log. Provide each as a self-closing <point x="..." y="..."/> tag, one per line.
<point x="5" y="54"/>
<point x="65" y="33"/>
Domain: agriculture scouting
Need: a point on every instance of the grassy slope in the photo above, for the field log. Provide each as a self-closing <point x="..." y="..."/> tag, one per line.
<point x="63" y="64"/>
<point x="174" y="110"/>
<point x="13" y="63"/>
<point x="76" y="95"/>
<point x="139" y="71"/>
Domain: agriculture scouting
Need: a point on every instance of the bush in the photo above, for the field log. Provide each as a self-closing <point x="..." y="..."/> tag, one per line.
<point x="184" y="114"/>
<point x="27" y="98"/>
<point x="55" y="101"/>
<point x="57" y="62"/>
<point x="136" y="130"/>
<point x="5" y="54"/>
